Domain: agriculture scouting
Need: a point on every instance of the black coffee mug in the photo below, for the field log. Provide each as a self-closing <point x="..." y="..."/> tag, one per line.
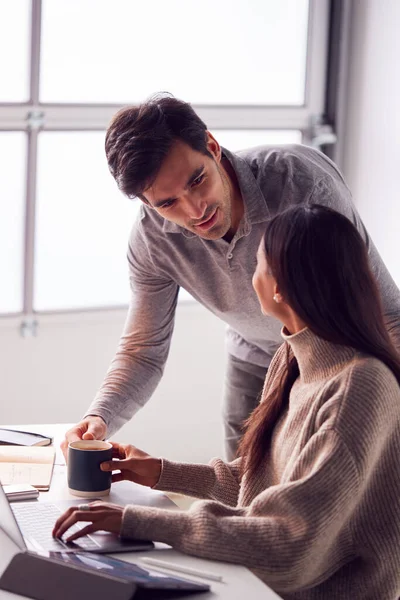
<point x="85" y="478"/>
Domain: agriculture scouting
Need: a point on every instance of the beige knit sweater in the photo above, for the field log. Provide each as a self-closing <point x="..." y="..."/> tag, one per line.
<point x="322" y="518"/>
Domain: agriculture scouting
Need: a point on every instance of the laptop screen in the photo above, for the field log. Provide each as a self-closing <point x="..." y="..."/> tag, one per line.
<point x="8" y="523"/>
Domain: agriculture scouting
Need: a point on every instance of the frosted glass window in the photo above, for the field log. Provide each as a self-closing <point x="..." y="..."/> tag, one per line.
<point x="82" y="227"/>
<point x="14" y="50"/>
<point x="240" y="139"/>
<point x="12" y="216"/>
<point x="224" y="52"/>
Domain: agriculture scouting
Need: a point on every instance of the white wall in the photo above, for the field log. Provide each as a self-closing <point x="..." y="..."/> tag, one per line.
<point x="54" y="376"/>
<point x="372" y="145"/>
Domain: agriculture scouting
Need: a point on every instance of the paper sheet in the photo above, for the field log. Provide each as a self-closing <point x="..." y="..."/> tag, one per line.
<point x="21" y="464"/>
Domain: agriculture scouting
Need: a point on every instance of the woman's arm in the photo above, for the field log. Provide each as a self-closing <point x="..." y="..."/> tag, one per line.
<point x="291" y="534"/>
<point x="217" y="481"/>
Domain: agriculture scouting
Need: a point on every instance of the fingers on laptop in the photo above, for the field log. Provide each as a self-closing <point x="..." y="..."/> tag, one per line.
<point x="102" y="516"/>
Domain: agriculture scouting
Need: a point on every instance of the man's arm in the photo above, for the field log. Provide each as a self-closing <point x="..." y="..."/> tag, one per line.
<point x="144" y="345"/>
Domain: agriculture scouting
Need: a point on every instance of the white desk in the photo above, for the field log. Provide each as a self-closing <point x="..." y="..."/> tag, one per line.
<point x="238" y="582"/>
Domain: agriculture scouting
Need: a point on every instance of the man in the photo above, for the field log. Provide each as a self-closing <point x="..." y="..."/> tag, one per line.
<point x="204" y="211"/>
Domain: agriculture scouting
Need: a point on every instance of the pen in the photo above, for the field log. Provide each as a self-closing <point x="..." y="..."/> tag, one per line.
<point x="188" y="570"/>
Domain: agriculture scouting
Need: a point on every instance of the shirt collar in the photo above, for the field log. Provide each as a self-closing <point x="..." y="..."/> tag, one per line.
<point x="256" y="210"/>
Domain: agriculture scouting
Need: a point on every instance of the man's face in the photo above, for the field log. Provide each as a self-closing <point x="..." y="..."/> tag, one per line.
<point x="193" y="191"/>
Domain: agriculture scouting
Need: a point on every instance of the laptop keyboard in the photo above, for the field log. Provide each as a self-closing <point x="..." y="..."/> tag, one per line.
<point x="36" y="523"/>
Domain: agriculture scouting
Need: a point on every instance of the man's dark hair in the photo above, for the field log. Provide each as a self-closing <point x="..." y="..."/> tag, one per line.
<point x="139" y="138"/>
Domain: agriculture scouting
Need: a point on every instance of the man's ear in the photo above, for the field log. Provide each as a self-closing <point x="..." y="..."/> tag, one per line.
<point x="213" y="146"/>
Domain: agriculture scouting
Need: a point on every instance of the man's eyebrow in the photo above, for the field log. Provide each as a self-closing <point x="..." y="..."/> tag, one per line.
<point x="192" y="178"/>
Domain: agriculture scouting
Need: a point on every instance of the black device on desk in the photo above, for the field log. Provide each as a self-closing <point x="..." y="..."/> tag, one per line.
<point x="63" y="575"/>
<point x="15" y="437"/>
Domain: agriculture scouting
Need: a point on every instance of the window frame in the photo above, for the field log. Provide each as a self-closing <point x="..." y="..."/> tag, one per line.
<point x="32" y="117"/>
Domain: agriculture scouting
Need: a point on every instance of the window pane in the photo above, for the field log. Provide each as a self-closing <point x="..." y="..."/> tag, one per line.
<point x="12" y="215"/>
<point x="82" y="228"/>
<point x="14" y="50"/>
<point x="240" y="139"/>
<point x="225" y="52"/>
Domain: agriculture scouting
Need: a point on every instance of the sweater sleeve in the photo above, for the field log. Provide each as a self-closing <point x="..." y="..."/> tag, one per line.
<point x="292" y="535"/>
<point x="143" y="349"/>
<point x="218" y="480"/>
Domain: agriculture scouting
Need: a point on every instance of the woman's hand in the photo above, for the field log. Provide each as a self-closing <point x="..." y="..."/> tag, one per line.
<point x="101" y="515"/>
<point x="134" y="465"/>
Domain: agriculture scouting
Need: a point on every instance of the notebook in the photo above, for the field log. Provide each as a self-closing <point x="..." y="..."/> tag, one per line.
<point x="17" y="492"/>
<point x="27" y="464"/>
<point x="14" y="437"/>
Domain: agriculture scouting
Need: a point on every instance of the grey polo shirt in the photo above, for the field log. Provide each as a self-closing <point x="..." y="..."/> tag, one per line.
<point x="163" y="257"/>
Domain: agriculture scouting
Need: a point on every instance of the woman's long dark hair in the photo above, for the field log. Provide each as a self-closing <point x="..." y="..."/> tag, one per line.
<point x="321" y="266"/>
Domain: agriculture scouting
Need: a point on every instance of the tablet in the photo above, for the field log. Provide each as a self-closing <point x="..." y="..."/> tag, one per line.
<point x="148" y="581"/>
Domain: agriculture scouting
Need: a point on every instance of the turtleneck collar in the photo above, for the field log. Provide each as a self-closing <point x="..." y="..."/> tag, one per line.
<point x="317" y="358"/>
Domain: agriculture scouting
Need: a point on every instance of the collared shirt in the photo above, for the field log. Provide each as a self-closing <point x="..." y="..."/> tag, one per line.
<point x="164" y="256"/>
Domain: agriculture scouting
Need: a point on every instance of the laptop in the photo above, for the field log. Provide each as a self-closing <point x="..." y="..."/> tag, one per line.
<point x="31" y="524"/>
<point x="37" y="567"/>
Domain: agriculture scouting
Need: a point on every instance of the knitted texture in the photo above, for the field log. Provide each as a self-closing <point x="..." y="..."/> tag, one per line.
<point x="321" y="518"/>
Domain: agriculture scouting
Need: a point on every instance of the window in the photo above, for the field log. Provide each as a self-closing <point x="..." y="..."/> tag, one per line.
<point x="15" y="19"/>
<point x="240" y="139"/>
<point x="82" y="225"/>
<point x="187" y="48"/>
<point x="255" y="78"/>
<point x="12" y="216"/>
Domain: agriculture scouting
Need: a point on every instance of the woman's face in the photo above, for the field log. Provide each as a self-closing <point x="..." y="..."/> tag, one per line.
<point x="265" y="285"/>
<point x="271" y="300"/>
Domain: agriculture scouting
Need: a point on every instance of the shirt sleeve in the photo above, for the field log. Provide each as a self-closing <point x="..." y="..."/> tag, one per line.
<point x="218" y="480"/>
<point x="144" y="345"/>
<point x="292" y="535"/>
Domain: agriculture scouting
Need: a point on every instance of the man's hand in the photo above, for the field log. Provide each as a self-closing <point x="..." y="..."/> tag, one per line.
<point x="101" y="516"/>
<point x="90" y="428"/>
<point x="134" y="465"/>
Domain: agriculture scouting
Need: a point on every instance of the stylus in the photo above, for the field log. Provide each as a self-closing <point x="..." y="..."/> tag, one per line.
<point x="188" y="570"/>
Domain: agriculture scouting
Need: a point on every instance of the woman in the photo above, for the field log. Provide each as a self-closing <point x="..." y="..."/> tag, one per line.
<point x="312" y="504"/>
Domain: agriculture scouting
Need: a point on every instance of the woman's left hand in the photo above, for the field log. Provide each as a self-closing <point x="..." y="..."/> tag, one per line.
<point x="101" y="515"/>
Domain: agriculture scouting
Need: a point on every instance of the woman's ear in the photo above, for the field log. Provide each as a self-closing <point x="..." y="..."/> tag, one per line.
<point x="277" y="295"/>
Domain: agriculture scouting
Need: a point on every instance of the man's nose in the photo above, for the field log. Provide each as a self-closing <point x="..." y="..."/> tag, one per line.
<point x="196" y="207"/>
